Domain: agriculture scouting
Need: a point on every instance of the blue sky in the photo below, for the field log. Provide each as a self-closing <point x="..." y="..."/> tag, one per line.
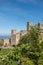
<point x="14" y="14"/>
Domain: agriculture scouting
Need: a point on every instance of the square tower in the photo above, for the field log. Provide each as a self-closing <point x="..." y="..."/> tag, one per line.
<point x="15" y="39"/>
<point x="13" y="32"/>
<point x="29" y="25"/>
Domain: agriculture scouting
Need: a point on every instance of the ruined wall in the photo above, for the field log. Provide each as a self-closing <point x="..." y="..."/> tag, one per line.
<point x="17" y="38"/>
<point x="40" y="27"/>
<point x="13" y="37"/>
<point x="6" y="42"/>
<point x="13" y="32"/>
<point x="23" y="32"/>
<point x="29" y="25"/>
<point x="1" y="41"/>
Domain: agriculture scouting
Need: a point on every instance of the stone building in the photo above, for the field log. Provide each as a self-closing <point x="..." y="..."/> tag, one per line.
<point x="1" y="42"/>
<point x="6" y="42"/>
<point x="40" y="27"/>
<point x="13" y="32"/>
<point x="23" y="32"/>
<point x="41" y="30"/>
<point x="15" y="37"/>
<point x="29" y="25"/>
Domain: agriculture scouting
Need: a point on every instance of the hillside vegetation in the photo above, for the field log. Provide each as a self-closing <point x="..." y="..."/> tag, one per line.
<point x="28" y="52"/>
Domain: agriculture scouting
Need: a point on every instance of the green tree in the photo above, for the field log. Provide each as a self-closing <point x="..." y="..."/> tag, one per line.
<point x="28" y="52"/>
<point x="40" y="61"/>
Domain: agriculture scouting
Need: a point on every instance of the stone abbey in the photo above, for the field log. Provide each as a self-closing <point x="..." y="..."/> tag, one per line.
<point x="15" y="36"/>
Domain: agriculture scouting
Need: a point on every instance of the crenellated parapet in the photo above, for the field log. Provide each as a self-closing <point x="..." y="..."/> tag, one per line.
<point x="15" y="36"/>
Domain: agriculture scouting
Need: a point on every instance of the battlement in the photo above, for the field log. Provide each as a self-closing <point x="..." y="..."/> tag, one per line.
<point x="15" y="36"/>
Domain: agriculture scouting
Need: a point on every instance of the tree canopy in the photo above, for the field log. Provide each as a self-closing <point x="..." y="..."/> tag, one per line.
<point x="28" y="52"/>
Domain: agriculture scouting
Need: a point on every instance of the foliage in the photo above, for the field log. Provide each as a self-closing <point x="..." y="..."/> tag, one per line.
<point x="28" y="52"/>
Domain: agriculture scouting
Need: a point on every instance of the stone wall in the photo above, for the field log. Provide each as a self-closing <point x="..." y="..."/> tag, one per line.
<point x="6" y="42"/>
<point x="23" y="32"/>
<point x="1" y="42"/>
<point x="15" y="39"/>
<point x="29" y="24"/>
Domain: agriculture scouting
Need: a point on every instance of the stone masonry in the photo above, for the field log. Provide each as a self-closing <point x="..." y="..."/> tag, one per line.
<point x="15" y="36"/>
